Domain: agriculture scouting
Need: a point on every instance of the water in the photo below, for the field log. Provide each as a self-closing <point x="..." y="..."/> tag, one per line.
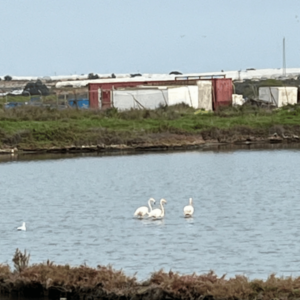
<point x="80" y="210"/>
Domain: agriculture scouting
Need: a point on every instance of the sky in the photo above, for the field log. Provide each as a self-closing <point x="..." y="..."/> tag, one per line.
<point x="65" y="37"/>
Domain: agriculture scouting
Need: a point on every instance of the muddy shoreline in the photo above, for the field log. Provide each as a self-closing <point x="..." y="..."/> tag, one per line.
<point x="172" y="142"/>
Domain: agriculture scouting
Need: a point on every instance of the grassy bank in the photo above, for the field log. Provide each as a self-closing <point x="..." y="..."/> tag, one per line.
<point x="55" y="281"/>
<point x="31" y="127"/>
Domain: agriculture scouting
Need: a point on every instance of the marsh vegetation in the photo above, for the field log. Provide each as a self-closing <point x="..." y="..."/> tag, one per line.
<point x="30" y="127"/>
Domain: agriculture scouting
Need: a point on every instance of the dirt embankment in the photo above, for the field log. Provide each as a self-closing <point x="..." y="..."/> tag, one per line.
<point x="171" y="141"/>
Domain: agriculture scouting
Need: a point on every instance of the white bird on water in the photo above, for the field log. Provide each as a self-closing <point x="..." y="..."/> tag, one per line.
<point x="23" y="227"/>
<point x="143" y="210"/>
<point x="158" y="213"/>
<point x="189" y="209"/>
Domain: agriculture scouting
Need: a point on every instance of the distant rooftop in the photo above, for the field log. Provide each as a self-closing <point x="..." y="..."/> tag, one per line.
<point x="83" y="80"/>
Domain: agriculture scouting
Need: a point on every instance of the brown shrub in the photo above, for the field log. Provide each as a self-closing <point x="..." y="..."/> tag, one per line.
<point x="4" y="272"/>
<point x="21" y="260"/>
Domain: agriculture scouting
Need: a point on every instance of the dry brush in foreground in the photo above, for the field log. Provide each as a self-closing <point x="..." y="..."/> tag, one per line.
<point x="52" y="281"/>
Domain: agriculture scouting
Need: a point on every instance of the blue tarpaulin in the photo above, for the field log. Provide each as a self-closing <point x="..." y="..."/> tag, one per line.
<point x="80" y="103"/>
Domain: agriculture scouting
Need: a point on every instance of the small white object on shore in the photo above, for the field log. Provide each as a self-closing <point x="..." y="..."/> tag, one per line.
<point x="23" y="227"/>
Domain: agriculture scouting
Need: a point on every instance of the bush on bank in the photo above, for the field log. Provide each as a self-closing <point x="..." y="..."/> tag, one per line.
<point x="54" y="281"/>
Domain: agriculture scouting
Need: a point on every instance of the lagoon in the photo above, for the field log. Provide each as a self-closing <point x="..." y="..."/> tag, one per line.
<point x="79" y="209"/>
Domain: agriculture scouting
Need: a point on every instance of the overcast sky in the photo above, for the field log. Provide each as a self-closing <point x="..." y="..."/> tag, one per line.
<point x="62" y="37"/>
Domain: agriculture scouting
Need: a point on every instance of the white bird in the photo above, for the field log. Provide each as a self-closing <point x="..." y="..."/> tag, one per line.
<point x="189" y="209"/>
<point x="158" y="212"/>
<point x="143" y="210"/>
<point x="23" y="227"/>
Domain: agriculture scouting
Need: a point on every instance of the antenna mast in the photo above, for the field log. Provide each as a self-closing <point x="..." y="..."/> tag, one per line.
<point x="284" y="65"/>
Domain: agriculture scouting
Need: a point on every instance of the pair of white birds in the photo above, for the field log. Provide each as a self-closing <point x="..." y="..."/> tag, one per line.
<point x="23" y="227"/>
<point x="159" y="213"/>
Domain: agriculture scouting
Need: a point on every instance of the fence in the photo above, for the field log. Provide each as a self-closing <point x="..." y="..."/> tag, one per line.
<point x="57" y="99"/>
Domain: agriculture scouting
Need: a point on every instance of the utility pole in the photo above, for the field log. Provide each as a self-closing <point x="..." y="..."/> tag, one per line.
<point x="284" y="65"/>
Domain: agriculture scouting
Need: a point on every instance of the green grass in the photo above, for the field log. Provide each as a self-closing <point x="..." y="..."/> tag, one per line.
<point x="47" y="126"/>
<point x="26" y="98"/>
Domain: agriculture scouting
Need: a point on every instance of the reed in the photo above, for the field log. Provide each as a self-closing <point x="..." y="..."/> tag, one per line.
<point x="21" y="260"/>
<point x="5" y="272"/>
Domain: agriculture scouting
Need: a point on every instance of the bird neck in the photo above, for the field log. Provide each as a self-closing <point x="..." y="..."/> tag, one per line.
<point x="149" y="203"/>
<point x="162" y="209"/>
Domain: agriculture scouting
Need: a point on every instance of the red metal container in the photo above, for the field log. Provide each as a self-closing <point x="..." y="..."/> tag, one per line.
<point x="222" y="92"/>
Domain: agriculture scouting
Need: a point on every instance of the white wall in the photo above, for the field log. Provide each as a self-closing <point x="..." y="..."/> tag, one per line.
<point x="138" y="98"/>
<point x="184" y="94"/>
<point x="151" y="98"/>
<point x="204" y="94"/>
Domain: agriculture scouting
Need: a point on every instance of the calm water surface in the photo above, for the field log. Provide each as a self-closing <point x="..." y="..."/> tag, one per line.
<point x="80" y="210"/>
